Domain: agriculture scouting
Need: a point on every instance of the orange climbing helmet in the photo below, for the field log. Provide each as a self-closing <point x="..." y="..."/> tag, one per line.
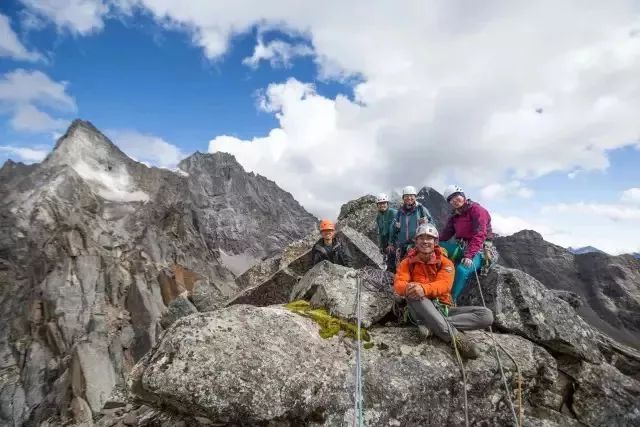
<point x="326" y="224"/>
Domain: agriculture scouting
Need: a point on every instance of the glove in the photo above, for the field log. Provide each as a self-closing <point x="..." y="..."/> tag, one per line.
<point x="390" y="249"/>
<point x="466" y="262"/>
<point x="422" y="221"/>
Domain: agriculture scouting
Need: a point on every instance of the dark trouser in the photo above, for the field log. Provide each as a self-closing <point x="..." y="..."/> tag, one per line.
<point x="463" y="318"/>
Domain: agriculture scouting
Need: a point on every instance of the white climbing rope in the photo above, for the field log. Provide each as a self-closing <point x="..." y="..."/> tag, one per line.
<point x="358" y="398"/>
<point x="517" y="420"/>
<point x="462" y="370"/>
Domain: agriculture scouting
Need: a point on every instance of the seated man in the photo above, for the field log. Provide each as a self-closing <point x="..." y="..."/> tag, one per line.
<point x="424" y="278"/>
<point x="329" y="248"/>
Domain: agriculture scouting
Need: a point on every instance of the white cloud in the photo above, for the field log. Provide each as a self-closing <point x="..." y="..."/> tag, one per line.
<point x="507" y="225"/>
<point x="148" y="149"/>
<point x="28" y="118"/>
<point x="26" y="154"/>
<point x="277" y="52"/>
<point x="501" y="191"/>
<point x="22" y="92"/>
<point x="469" y="94"/>
<point x="78" y="16"/>
<point x="632" y="195"/>
<point x="573" y="228"/>
<point x="312" y="153"/>
<point x="10" y="45"/>
<point x="614" y="212"/>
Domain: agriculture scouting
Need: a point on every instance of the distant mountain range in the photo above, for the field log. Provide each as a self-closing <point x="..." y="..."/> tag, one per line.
<point x="584" y="250"/>
<point x="591" y="249"/>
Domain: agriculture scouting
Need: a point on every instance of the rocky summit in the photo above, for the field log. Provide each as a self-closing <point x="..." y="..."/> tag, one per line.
<point x="94" y="248"/>
<point x="138" y="296"/>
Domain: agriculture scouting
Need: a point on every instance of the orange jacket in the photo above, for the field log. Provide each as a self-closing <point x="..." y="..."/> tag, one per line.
<point x="435" y="276"/>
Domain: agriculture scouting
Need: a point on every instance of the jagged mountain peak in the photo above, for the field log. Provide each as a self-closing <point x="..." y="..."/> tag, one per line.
<point x="83" y="141"/>
<point x="98" y="161"/>
<point x="215" y="160"/>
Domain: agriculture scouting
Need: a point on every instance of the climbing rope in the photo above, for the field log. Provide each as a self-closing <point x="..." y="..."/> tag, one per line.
<point x="462" y="370"/>
<point x="358" y="399"/>
<point x="375" y="280"/>
<point x="517" y="419"/>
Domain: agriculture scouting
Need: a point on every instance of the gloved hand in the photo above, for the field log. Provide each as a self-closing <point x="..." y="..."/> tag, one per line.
<point x="422" y="221"/>
<point x="391" y="249"/>
<point x="467" y="262"/>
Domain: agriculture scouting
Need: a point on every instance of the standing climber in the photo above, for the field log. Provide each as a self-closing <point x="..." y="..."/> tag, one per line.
<point x="409" y="216"/>
<point x="470" y="224"/>
<point x="328" y="247"/>
<point x="384" y="220"/>
<point x="424" y="278"/>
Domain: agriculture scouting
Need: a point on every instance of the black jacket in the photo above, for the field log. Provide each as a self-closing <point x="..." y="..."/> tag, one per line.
<point x="337" y="253"/>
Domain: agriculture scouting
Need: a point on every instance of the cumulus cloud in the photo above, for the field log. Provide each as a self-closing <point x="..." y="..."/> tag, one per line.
<point x="506" y="225"/>
<point x="500" y="191"/>
<point x="469" y="94"/>
<point x="632" y="195"/>
<point x="146" y="148"/>
<point x="23" y="92"/>
<point x="25" y="154"/>
<point x="614" y="212"/>
<point x="77" y="16"/>
<point x="10" y="45"/>
<point x="279" y="53"/>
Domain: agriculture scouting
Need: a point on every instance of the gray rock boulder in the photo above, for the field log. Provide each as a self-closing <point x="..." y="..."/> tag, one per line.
<point x="334" y="287"/>
<point x="360" y="214"/>
<point x="179" y="307"/>
<point x="363" y="251"/>
<point x="271" y="281"/>
<point x="602" y="395"/>
<point x="608" y="286"/>
<point x="289" y="375"/>
<point x="523" y="306"/>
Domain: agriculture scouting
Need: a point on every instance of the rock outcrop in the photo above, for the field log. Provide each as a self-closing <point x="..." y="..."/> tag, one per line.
<point x="93" y="249"/>
<point x="334" y="287"/>
<point x="289" y="375"/>
<point x="608" y="287"/>
<point x="523" y="306"/>
<point x="272" y="281"/>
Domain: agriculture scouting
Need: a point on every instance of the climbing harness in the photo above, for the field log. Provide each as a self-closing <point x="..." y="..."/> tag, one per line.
<point x="518" y="419"/>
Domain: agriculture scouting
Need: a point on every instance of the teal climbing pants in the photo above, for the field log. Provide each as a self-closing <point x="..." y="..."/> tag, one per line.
<point x="455" y="254"/>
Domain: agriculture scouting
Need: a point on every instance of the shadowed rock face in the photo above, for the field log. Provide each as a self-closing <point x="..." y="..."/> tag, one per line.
<point x="607" y="286"/>
<point x="93" y="248"/>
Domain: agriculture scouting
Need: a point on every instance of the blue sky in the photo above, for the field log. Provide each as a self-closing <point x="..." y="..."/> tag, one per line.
<point x="341" y="101"/>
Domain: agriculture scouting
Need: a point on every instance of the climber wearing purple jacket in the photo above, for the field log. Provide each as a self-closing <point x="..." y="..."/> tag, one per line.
<point x="470" y="224"/>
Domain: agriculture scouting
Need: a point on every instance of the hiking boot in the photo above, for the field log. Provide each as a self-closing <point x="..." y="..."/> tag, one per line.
<point x="466" y="347"/>
<point x="424" y="331"/>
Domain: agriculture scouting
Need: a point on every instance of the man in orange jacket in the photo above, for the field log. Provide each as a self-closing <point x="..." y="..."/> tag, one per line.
<point x="425" y="278"/>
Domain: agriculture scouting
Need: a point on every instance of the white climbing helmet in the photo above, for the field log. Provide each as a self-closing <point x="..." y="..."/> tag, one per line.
<point x="451" y="190"/>
<point x="382" y="198"/>
<point x="427" y="229"/>
<point x="409" y="189"/>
